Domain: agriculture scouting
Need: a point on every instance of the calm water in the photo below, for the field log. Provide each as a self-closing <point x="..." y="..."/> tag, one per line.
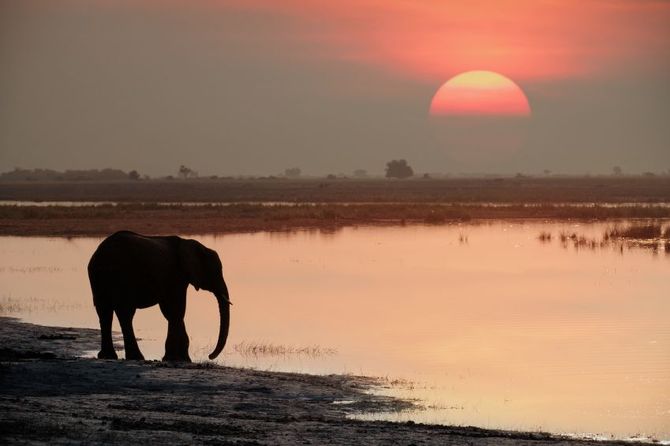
<point x="484" y="324"/>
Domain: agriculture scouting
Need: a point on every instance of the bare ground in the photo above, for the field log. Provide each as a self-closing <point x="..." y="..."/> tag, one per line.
<point x="48" y="395"/>
<point x="624" y="189"/>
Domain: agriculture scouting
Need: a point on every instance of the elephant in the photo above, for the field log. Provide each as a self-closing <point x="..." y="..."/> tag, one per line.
<point x="130" y="271"/>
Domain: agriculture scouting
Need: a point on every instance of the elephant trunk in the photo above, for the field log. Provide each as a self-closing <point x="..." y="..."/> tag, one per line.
<point x="224" y="314"/>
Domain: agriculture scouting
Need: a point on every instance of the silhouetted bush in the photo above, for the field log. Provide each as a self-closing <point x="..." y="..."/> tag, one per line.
<point x="186" y="172"/>
<point x="398" y="169"/>
<point x="292" y="172"/>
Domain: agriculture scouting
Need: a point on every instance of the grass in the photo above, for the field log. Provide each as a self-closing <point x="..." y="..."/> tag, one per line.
<point x="448" y="190"/>
<point x="650" y="236"/>
<point x="12" y="305"/>
<point x="249" y="205"/>
<point x="30" y="269"/>
<point x="258" y="349"/>
<point x="643" y="232"/>
<point x="155" y="218"/>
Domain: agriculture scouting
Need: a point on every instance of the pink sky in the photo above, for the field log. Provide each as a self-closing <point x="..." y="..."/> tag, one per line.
<point x="523" y="39"/>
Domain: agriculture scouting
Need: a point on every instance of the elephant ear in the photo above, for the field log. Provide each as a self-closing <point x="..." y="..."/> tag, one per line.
<point x="191" y="254"/>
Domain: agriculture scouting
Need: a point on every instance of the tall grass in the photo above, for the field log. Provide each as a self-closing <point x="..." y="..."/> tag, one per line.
<point x="246" y="217"/>
<point x="27" y="305"/>
<point x="425" y="212"/>
<point x="646" y="235"/>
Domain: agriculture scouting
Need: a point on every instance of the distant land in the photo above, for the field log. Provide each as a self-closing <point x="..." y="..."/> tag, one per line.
<point x="116" y="186"/>
<point x="197" y="206"/>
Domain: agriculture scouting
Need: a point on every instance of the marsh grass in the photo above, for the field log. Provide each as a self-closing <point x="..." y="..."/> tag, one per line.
<point x="649" y="231"/>
<point x="13" y="305"/>
<point x="155" y="218"/>
<point x="30" y="269"/>
<point x="650" y="236"/>
<point x="426" y="212"/>
<point x="259" y="349"/>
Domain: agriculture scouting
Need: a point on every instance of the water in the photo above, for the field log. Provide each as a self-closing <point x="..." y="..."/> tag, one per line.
<point x="483" y="324"/>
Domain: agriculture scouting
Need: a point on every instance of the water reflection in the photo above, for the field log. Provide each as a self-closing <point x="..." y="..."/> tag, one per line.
<point x="483" y="324"/>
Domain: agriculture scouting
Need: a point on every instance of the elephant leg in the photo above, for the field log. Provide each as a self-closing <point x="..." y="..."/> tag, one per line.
<point x="105" y="316"/>
<point x="129" y="342"/>
<point x="176" y="343"/>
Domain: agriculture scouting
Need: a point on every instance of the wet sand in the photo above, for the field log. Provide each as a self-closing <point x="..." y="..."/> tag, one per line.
<point x="48" y="394"/>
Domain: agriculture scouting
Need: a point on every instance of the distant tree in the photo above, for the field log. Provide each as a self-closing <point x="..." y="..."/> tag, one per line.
<point x="426" y="176"/>
<point x="360" y="173"/>
<point x="398" y="169"/>
<point x="331" y="176"/>
<point x="649" y="174"/>
<point x="185" y="172"/>
<point x="547" y="172"/>
<point x="292" y="172"/>
<point x="134" y="175"/>
<point x="616" y="170"/>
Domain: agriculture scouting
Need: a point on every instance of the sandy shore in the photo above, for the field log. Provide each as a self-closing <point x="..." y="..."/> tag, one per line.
<point x="50" y="395"/>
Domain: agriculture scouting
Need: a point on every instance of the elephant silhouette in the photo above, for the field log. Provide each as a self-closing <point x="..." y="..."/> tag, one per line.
<point x="130" y="271"/>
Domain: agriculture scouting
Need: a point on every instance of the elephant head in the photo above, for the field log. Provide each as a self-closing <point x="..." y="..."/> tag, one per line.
<point x="203" y="269"/>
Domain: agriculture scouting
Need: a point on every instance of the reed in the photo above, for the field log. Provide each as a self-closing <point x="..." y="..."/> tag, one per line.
<point x="257" y="349"/>
<point x="248" y="217"/>
<point x="647" y="231"/>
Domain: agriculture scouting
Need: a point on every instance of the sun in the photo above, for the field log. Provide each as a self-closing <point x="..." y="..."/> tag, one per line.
<point x="479" y="93"/>
<point x="480" y="119"/>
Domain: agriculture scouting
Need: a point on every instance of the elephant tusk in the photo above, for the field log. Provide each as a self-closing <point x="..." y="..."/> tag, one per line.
<point x="225" y="299"/>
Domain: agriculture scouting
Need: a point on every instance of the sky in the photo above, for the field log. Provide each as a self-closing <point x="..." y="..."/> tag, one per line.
<point x="251" y="87"/>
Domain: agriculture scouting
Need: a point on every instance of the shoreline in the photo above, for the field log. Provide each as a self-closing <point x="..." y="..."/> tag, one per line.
<point x="49" y="394"/>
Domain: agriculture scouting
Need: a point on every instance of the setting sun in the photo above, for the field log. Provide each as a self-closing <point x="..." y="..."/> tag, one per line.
<point x="480" y="93"/>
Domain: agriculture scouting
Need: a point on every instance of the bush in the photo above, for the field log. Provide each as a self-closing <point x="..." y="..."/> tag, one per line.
<point x="292" y="172"/>
<point x="398" y="169"/>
